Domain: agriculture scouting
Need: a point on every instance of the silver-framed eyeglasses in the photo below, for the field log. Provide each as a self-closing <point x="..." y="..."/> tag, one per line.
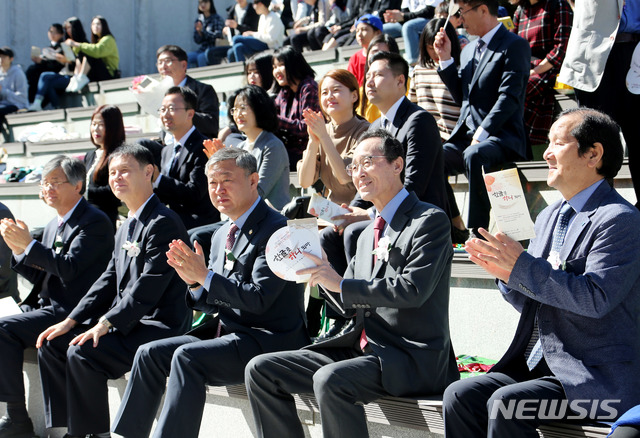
<point x="165" y="61"/>
<point x="48" y="185"/>
<point x="169" y="109"/>
<point x="365" y="163"/>
<point x="237" y="110"/>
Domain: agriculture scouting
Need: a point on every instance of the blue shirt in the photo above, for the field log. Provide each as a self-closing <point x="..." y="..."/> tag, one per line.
<point x="630" y="17"/>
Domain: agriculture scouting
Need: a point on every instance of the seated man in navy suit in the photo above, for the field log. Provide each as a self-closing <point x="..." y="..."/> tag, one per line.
<point x="576" y="351"/>
<point x="138" y="299"/>
<point x="490" y="85"/>
<point x="180" y="181"/>
<point x="258" y="312"/>
<point x="399" y="344"/>
<point x="75" y="249"/>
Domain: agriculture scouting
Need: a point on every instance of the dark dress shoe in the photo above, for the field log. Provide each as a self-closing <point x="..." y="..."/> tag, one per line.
<point x="13" y="429"/>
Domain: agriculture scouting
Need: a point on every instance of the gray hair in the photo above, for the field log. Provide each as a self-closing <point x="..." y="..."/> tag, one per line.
<point x="73" y="169"/>
<point x="243" y="159"/>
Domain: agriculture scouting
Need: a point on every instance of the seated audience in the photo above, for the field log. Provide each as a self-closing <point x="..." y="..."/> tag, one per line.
<point x="13" y="85"/>
<point x="74" y="252"/>
<point x="241" y="17"/>
<point x="270" y="34"/>
<point x="546" y="25"/>
<point x="172" y="62"/>
<point x="577" y="288"/>
<point x="367" y="28"/>
<point x="391" y="349"/>
<point x="319" y="14"/>
<point x="207" y="29"/>
<point x="48" y="60"/>
<point x="107" y="134"/>
<point x="50" y="83"/>
<point x="338" y="11"/>
<point x="179" y="181"/>
<point x="408" y="24"/>
<point x="138" y="299"/>
<point x="8" y="278"/>
<point x="97" y="60"/>
<point x="296" y="90"/>
<point x="257" y="312"/>
<point x="259" y="70"/>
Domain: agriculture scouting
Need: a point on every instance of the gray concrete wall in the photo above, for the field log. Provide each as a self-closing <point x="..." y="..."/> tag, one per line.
<point x="139" y="26"/>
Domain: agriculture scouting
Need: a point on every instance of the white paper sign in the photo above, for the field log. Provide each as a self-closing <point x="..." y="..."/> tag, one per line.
<point x="286" y="246"/>
<point x="325" y="209"/>
<point x="8" y="307"/>
<point x="508" y="204"/>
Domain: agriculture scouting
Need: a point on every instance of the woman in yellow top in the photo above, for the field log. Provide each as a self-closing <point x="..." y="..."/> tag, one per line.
<point x="97" y="60"/>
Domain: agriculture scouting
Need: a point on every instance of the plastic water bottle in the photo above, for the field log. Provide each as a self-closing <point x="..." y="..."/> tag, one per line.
<point x="223" y="115"/>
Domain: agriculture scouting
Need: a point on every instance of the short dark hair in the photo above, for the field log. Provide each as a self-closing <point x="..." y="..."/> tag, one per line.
<point x="190" y="98"/>
<point x="174" y="50"/>
<point x="296" y="67"/>
<point x="428" y="36"/>
<point x="264" y="64"/>
<point x="58" y="27"/>
<point x="492" y="5"/>
<point x="73" y="169"/>
<point x="598" y="127"/>
<point x="266" y="3"/>
<point x="389" y="146"/>
<point x="242" y="158"/>
<point x="383" y="38"/>
<point x="396" y="62"/>
<point x="138" y="152"/>
<point x="262" y="106"/>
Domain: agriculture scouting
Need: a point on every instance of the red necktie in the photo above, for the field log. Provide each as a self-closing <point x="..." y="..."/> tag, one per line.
<point x="378" y="228"/>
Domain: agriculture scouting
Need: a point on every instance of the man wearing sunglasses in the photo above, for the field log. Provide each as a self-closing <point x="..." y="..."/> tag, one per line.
<point x="490" y="85"/>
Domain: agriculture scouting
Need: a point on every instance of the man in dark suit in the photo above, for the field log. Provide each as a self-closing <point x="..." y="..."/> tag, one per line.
<point x="490" y="85"/>
<point x="578" y="290"/>
<point x="137" y="299"/>
<point x="73" y="253"/>
<point x="400" y="343"/>
<point x="172" y="62"/>
<point x="8" y="277"/>
<point x="257" y="311"/>
<point x="180" y="181"/>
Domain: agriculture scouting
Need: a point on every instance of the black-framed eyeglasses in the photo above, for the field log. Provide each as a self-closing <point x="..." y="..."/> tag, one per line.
<point x="462" y="14"/>
<point x="365" y="163"/>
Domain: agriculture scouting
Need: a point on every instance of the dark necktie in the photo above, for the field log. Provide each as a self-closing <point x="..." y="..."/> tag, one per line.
<point x="533" y="352"/>
<point x="176" y="154"/>
<point x="231" y="237"/>
<point x="132" y="227"/>
<point x="478" y="54"/>
<point x="378" y="228"/>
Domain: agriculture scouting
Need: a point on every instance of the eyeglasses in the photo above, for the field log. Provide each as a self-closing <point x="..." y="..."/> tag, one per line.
<point x="365" y="163"/>
<point x="45" y="185"/>
<point x="462" y="14"/>
<point x="169" y="109"/>
<point x="165" y="61"/>
<point x="237" y="110"/>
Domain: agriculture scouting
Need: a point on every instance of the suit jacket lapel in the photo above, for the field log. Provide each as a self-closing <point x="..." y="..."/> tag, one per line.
<point x="399" y="118"/>
<point x="184" y="151"/>
<point x="125" y="260"/>
<point x="489" y="52"/>
<point x="398" y="223"/>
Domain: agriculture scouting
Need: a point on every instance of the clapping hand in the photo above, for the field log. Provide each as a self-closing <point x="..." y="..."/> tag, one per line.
<point x="212" y="146"/>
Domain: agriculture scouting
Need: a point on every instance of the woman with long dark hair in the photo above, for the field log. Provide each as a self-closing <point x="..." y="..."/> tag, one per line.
<point x="107" y="134"/>
<point x="97" y="60"/>
<point x="296" y="90"/>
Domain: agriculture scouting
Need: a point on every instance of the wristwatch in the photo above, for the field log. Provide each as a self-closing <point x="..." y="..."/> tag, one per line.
<point x="105" y="322"/>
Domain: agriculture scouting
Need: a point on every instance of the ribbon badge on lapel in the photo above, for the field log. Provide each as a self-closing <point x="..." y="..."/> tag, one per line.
<point x="229" y="260"/>
<point x="58" y="244"/>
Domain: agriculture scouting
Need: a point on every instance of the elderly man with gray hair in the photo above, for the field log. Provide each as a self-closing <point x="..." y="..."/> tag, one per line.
<point x="74" y="251"/>
<point x="257" y="312"/>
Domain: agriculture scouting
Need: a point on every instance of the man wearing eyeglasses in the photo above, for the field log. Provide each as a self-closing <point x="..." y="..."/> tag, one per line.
<point x="180" y="181"/>
<point x="74" y="251"/>
<point x="398" y="287"/>
<point x="171" y="61"/>
<point x="490" y="85"/>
